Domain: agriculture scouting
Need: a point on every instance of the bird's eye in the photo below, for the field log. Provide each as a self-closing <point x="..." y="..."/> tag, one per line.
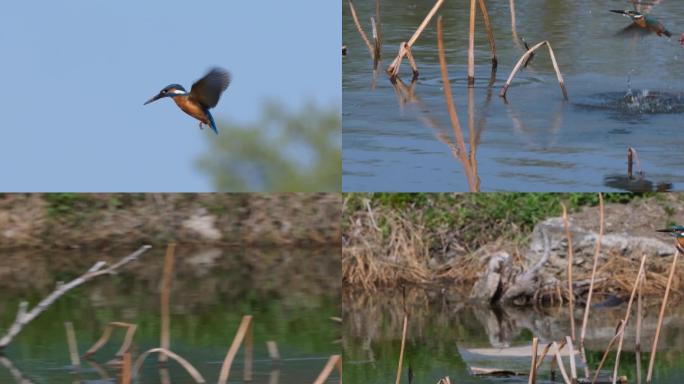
<point x="164" y="91"/>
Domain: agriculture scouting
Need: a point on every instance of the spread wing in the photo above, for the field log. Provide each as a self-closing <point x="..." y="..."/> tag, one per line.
<point x="208" y="89"/>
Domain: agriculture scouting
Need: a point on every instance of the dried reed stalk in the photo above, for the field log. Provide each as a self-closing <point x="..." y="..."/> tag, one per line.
<point x="393" y="68"/>
<point x="532" y="379"/>
<point x="618" y="330"/>
<point x="573" y="366"/>
<point x="472" y="138"/>
<point x="571" y="295"/>
<point x="651" y="362"/>
<point x="165" y="341"/>
<point x="453" y="116"/>
<point x="626" y="319"/>
<point x="377" y="34"/>
<point x="360" y="29"/>
<point x="184" y="363"/>
<point x="24" y="316"/>
<point x="128" y="339"/>
<point x="126" y="369"/>
<point x="490" y="33"/>
<point x="335" y="361"/>
<point x="401" y="351"/>
<point x="471" y="45"/>
<point x="559" y="360"/>
<point x="272" y="348"/>
<point x="243" y="329"/>
<point x="597" y="254"/>
<point x="73" y="346"/>
<point x="514" y="32"/>
<point x="524" y="57"/>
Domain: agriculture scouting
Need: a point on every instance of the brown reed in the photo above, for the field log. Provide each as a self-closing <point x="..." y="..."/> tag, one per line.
<point x="523" y="58"/>
<point x="167" y="275"/>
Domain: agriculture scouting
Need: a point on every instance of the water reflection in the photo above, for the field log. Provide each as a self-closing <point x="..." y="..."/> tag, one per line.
<point x="446" y="336"/>
<point x="291" y="292"/>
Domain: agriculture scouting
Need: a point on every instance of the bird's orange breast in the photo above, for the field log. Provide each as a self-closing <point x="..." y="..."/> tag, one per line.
<point x="192" y="109"/>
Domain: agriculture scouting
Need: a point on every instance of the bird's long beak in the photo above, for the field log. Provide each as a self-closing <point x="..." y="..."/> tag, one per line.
<point x="666" y="230"/>
<point x="620" y="11"/>
<point x="155" y="98"/>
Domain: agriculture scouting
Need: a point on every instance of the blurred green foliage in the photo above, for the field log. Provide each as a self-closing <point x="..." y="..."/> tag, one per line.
<point x="283" y="151"/>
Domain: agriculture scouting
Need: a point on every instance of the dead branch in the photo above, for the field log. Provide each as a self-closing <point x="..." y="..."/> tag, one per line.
<point x="24" y="316"/>
<point x="523" y="58"/>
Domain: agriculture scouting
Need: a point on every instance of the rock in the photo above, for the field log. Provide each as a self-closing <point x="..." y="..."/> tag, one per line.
<point x="488" y="286"/>
<point x="202" y="223"/>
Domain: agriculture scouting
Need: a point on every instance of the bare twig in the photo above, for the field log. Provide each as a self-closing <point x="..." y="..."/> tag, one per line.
<point x="73" y="346"/>
<point x="597" y="254"/>
<point x="128" y="339"/>
<point x="559" y="360"/>
<point x="626" y="320"/>
<point x="401" y="351"/>
<point x="335" y="361"/>
<point x="245" y="326"/>
<point x="360" y="29"/>
<point x="651" y="362"/>
<point x="523" y="58"/>
<point x="184" y="363"/>
<point x="393" y="68"/>
<point x="471" y="45"/>
<point x="24" y="317"/>
<point x="532" y="379"/>
<point x="618" y="330"/>
<point x="490" y="33"/>
<point x="571" y="296"/>
<point x="165" y="338"/>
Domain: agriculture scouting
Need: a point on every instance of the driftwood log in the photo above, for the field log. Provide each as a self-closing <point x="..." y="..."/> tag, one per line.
<point x="25" y="316"/>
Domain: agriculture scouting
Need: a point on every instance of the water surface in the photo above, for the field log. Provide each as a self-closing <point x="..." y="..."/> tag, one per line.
<point x="289" y="292"/>
<point x="537" y="141"/>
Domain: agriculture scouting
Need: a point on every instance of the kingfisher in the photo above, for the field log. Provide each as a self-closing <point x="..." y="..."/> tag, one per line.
<point x="204" y="95"/>
<point x="677" y="231"/>
<point x="646" y="22"/>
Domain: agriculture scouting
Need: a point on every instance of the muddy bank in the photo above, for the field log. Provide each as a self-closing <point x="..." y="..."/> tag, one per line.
<point x="105" y="221"/>
<point x="442" y="240"/>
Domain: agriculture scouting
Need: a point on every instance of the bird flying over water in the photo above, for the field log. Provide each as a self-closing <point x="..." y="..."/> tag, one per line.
<point x="677" y="231"/>
<point x="204" y="95"/>
<point x="646" y="22"/>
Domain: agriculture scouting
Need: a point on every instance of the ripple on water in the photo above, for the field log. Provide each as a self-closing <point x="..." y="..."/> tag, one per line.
<point x="636" y="102"/>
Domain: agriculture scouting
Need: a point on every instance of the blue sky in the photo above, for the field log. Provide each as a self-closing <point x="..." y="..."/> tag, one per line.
<point x="75" y="75"/>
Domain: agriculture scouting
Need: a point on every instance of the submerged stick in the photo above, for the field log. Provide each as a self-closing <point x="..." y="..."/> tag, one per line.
<point x="490" y="33"/>
<point x="24" y="316"/>
<point x="401" y="351"/>
<point x="597" y="254"/>
<point x="335" y="361"/>
<point x="73" y="346"/>
<point x="360" y="28"/>
<point x="559" y="360"/>
<point x="393" y="68"/>
<point x="649" y="374"/>
<point x="245" y="326"/>
<point x="573" y="366"/>
<point x="128" y="339"/>
<point x="532" y="379"/>
<point x="184" y="363"/>
<point x="626" y="320"/>
<point x="272" y="348"/>
<point x="471" y="45"/>
<point x="523" y="58"/>
<point x="571" y="295"/>
<point x="165" y="341"/>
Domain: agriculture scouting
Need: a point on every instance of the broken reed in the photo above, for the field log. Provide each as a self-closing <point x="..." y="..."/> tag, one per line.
<point x="524" y="58"/>
<point x="375" y="48"/>
<point x="165" y="338"/>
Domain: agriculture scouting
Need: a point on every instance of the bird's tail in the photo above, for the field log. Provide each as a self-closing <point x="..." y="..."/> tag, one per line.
<point x="212" y="123"/>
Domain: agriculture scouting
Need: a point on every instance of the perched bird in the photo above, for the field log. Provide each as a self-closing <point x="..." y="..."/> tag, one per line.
<point x="647" y="22"/>
<point x="677" y="231"/>
<point x="204" y="95"/>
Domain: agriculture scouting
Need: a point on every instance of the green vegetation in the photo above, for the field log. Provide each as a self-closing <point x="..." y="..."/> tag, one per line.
<point x="479" y="217"/>
<point x="283" y="151"/>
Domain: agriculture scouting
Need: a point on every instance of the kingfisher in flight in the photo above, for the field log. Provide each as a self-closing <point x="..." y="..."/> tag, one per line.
<point x="647" y="22"/>
<point x="204" y="95"/>
<point x="677" y="231"/>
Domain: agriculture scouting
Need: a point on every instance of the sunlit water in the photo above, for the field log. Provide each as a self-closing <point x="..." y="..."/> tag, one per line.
<point x="289" y="292"/>
<point x="446" y="336"/>
<point x="624" y="91"/>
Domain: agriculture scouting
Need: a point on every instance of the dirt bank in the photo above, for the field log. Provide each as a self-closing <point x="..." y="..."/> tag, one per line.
<point x="66" y="220"/>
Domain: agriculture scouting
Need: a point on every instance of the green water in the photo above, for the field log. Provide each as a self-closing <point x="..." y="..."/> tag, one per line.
<point x="444" y="334"/>
<point x="292" y="293"/>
